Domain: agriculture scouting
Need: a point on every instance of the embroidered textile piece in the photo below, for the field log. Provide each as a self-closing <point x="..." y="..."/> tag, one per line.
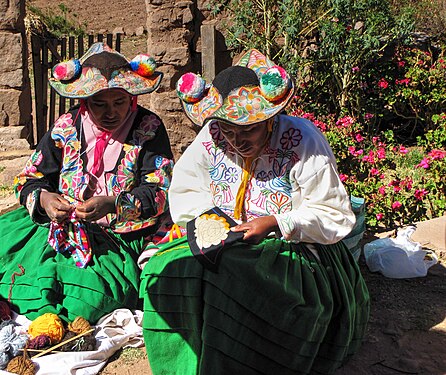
<point x="208" y="234"/>
<point x="71" y="236"/>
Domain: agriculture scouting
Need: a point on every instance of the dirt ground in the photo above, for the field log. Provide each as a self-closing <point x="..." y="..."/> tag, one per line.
<point x="407" y="328"/>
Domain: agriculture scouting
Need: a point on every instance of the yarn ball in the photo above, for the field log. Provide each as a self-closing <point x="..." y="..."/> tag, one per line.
<point x="143" y="64"/>
<point x="22" y="366"/>
<point x="79" y="325"/>
<point x="11" y="342"/>
<point x="4" y="359"/>
<point x="191" y="87"/>
<point x="274" y="83"/>
<point x="39" y="342"/>
<point x="5" y="311"/>
<point x="67" y="70"/>
<point x="83" y="343"/>
<point x="47" y="324"/>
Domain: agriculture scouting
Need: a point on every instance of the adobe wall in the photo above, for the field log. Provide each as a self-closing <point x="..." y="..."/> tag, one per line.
<point x="15" y="94"/>
<point x="174" y="39"/>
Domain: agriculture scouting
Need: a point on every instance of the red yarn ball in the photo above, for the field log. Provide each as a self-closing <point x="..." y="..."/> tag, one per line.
<point x="5" y="311"/>
<point x="39" y="342"/>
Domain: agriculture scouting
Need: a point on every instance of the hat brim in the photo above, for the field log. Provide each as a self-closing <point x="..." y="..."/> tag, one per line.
<point x="91" y="81"/>
<point x="242" y="106"/>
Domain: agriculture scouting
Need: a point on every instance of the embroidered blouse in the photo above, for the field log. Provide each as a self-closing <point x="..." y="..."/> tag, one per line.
<point x="139" y="178"/>
<point x="295" y="179"/>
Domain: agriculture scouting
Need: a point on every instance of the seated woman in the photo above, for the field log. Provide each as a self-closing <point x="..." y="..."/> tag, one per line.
<point x="94" y="191"/>
<point x="289" y="297"/>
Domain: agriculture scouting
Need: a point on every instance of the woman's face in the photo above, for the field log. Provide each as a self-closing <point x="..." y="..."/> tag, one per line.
<point x="109" y="108"/>
<point x="247" y="140"/>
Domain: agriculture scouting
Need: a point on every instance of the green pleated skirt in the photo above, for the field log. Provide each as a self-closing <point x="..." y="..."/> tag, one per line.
<point x="51" y="282"/>
<point x="272" y="308"/>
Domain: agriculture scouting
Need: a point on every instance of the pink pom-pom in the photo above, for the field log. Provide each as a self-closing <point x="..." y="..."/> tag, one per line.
<point x="143" y="64"/>
<point x="67" y="70"/>
<point x="191" y="87"/>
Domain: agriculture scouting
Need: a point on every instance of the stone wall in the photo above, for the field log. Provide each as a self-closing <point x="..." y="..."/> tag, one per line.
<point x="173" y="38"/>
<point x="15" y="94"/>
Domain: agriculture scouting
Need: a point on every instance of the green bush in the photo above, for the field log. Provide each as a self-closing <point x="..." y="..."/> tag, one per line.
<point x="58" y="24"/>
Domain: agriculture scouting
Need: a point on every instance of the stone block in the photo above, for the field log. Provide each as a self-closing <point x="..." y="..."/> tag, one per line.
<point x="15" y="107"/>
<point x="431" y="232"/>
<point x="140" y="30"/>
<point x="187" y="16"/>
<point x="11" y="63"/>
<point x="17" y="144"/>
<point x="11" y="14"/>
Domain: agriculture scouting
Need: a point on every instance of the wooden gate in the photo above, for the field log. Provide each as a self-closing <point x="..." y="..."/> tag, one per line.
<point x="47" y="52"/>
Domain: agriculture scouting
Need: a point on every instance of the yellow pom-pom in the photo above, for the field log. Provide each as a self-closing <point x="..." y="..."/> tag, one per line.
<point x="79" y="325"/>
<point x="47" y="324"/>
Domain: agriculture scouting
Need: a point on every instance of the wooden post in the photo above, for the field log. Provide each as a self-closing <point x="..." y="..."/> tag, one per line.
<point x="37" y="70"/>
<point x="208" y="51"/>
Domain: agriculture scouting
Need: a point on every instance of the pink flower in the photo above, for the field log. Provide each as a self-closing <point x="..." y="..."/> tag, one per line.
<point x="321" y="125"/>
<point x="381" y="153"/>
<point x="403" y="150"/>
<point x="396" y="205"/>
<point x="396" y="185"/>
<point x="379" y="216"/>
<point x="382" y="190"/>
<point x="401" y="64"/>
<point x="359" y="137"/>
<point x="343" y="177"/>
<point x="420" y="193"/>
<point x="437" y="154"/>
<point x="404" y="81"/>
<point x="424" y="164"/>
<point x="374" y="171"/>
<point x="383" y="84"/>
<point x="355" y="69"/>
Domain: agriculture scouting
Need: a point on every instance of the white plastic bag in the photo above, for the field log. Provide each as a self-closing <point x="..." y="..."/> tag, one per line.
<point x="399" y="257"/>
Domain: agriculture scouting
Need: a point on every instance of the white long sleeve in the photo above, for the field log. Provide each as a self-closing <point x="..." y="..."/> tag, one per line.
<point x="295" y="180"/>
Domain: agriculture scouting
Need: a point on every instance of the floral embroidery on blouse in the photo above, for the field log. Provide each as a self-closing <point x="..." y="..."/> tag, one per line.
<point x="147" y="130"/>
<point x="72" y="181"/>
<point x="29" y="171"/>
<point x="269" y="191"/>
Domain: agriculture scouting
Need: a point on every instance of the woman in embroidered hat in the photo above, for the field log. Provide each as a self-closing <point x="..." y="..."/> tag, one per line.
<point x="95" y="190"/>
<point x="288" y="298"/>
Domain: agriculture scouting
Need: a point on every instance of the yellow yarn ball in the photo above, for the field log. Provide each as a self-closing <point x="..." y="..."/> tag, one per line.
<point x="47" y="324"/>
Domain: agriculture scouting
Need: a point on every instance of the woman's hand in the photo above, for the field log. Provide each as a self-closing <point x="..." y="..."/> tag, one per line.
<point x="56" y="207"/>
<point x="95" y="208"/>
<point x="256" y="230"/>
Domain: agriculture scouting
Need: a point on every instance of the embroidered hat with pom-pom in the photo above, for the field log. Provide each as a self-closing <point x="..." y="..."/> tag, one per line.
<point x="252" y="91"/>
<point x="191" y="87"/>
<point x="102" y="68"/>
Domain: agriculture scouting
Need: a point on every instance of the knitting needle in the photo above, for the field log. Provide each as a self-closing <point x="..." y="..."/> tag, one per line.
<point x="39" y="350"/>
<point x="62" y="343"/>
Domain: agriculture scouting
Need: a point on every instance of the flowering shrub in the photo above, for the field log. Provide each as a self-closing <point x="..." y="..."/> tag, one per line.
<point x="400" y="185"/>
<point x="408" y="91"/>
